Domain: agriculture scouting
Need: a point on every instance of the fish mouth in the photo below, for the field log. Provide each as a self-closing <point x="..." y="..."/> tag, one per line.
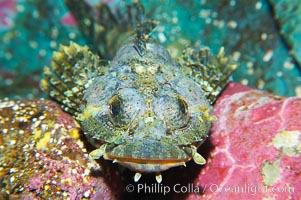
<point x="148" y="156"/>
<point x="146" y="161"/>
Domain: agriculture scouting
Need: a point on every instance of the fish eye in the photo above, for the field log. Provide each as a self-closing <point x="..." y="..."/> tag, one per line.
<point x="183" y="107"/>
<point x="181" y="115"/>
<point x="173" y="110"/>
<point x="115" y="106"/>
<point x="117" y="112"/>
<point x="123" y="107"/>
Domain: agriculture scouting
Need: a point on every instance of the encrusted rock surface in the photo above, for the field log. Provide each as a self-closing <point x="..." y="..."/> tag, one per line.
<point x="42" y="156"/>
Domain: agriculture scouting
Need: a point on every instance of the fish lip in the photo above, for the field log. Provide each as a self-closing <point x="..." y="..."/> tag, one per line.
<point x="148" y="165"/>
<point x="146" y="160"/>
<point x="147" y="152"/>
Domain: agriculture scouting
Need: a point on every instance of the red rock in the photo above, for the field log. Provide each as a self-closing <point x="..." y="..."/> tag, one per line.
<point x="68" y="19"/>
<point x="256" y="147"/>
<point x="7" y="11"/>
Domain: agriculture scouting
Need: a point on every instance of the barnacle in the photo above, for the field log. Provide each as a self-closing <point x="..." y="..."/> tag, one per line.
<point x="142" y="109"/>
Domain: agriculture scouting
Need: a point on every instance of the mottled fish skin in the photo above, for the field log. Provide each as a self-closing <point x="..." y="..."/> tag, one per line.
<point x="142" y="109"/>
<point x="145" y="110"/>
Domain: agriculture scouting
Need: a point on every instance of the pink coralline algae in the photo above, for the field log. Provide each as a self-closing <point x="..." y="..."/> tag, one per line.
<point x="68" y="19"/>
<point x="7" y="11"/>
<point x="256" y="147"/>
